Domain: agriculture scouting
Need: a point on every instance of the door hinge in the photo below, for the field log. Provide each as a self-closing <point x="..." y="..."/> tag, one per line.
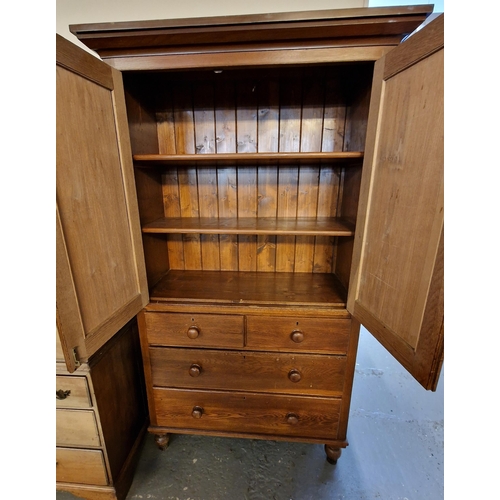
<point x="75" y="357"/>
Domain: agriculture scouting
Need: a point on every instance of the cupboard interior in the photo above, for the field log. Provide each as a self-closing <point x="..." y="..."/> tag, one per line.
<point x="270" y="196"/>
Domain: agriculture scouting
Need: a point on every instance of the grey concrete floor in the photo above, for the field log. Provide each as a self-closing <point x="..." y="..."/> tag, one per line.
<point x="395" y="452"/>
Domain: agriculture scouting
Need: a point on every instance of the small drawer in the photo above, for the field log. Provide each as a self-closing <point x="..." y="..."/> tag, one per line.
<point x="284" y="373"/>
<point x="298" y="334"/>
<point x="194" y="330"/>
<point x="72" y="392"/>
<point x="76" y="428"/>
<point x="247" y="413"/>
<point x="80" y="466"/>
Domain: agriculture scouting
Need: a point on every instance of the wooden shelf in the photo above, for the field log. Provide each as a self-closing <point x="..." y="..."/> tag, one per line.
<point x="259" y="288"/>
<point x="307" y="226"/>
<point x="222" y="159"/>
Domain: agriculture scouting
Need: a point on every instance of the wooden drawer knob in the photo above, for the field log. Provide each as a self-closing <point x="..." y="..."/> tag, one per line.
<point x="297" y="336"/>
<point x="292" y="418"/>
<point x="197" y="412"/>
<point x="294" y="375"/>
<point x="194" y="370"/>
<point x="193" y="332"/>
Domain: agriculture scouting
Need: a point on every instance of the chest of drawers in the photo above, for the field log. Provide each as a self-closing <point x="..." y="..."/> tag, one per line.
<point x="97" y="442"/>
<point x="80" y="454"/>
<point x="249" y="375"/>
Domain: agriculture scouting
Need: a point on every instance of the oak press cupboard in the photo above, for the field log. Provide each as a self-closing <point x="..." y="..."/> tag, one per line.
<point x="238" y="194"/>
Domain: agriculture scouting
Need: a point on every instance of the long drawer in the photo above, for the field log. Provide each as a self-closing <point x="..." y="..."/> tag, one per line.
<point x="76" y="428"/>
<point x="294" y="416"/>
<point x="321" y="375"/>
<point x="80" y="466"/>
<point x="195" y="330"/>
<point x="298" y="334"/>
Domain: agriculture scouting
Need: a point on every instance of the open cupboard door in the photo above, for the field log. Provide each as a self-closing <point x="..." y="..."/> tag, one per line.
<point x="100" y="278"/>
<point x="396" y="285"/>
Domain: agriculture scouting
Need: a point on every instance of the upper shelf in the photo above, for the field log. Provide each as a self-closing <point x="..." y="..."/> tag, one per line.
<point x="305" y="226"/>
<point x="151" y="160"/>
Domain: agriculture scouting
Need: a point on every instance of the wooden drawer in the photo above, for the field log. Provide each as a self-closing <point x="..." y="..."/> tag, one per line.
<point x="247" y="413"/>
<point x="314" y="374"/>
<point x="80" y="466"/>
<point x="76" y="428"/>
<point x="194" y="330"/>
<point x="298" y="334"/>
<point x="72" y="392"/>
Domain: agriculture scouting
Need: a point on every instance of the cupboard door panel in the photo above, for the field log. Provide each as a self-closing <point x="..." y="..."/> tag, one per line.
<point x="397" y="278"/>
<point x="100" y="256"/>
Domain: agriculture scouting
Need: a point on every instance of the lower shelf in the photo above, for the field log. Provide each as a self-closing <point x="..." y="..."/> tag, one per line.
<point x="245" y="287"/>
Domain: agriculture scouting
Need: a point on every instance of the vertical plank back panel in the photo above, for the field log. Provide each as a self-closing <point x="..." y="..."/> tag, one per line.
<point x="267" y="207"/>
<point x="310" y="140"/>
<point x="188" y="182"/>
<point x="204" y="130"/>
<point x="307" y="201"/>
<point x="269" y="116"/>
<point x="225" y="129"/>
<point x="334" y="115"/>
<point x="188" y="191"/>
<point x="311" y="136"/>
<point x="328" y="192"/>
<point x="268" y="141"/>
<point x="170" y="179"/>
<point x="204" y="117"/>
<point x="246" y="117"/>
<point x="184" y="118"/>
<point x="290" y="123"/>
<point x="331" y="179"/>
<point x="247" y="207"/>
<point x="246" y="130"/>
<point x="266" y="111"/>
<point x="172" y="208"/>
<point x="166" y="125"/>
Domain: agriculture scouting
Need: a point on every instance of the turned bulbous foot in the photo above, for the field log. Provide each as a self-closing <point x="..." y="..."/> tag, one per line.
<point x="332" y="454"/>
<point x="162" y="440"/>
